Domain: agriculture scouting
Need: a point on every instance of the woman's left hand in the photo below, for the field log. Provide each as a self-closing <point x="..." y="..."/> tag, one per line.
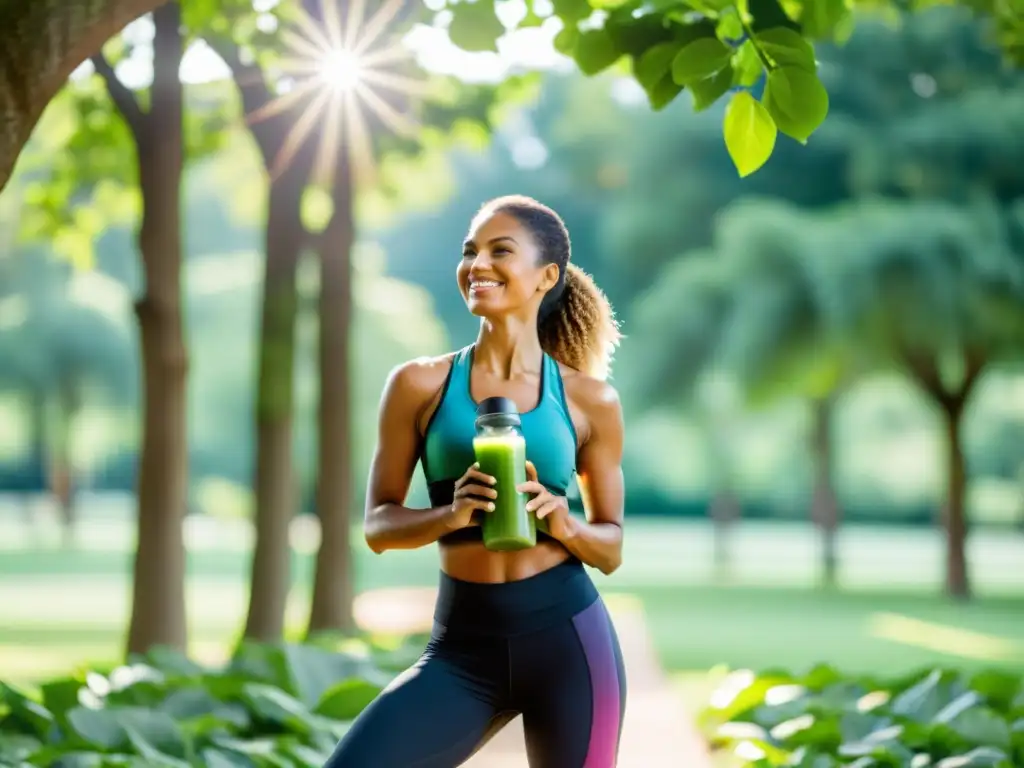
<point x="548" y="507"/>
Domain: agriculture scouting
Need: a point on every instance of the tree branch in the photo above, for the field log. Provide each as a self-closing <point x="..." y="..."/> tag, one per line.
<point x="120" y="94"/>
<point x="924" y="368"/>
<point x="974" y="364"/>
<point x="252" y="87"/>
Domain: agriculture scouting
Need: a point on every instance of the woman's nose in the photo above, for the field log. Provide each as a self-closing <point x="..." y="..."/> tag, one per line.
<point x="481" y="263"/>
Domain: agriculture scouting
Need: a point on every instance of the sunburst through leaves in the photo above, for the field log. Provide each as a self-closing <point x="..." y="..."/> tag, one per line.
<point x="339" y="65"/>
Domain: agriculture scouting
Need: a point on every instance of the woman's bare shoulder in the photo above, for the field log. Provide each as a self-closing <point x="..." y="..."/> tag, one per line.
<point x="593" y="396"/>
<point x="420" y="378"/>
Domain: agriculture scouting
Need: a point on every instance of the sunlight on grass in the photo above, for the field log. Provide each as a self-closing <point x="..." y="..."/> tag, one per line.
<point x="943" y="638"/>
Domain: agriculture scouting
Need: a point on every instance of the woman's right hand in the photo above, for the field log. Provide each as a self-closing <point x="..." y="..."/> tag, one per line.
<point x="473" y="492"/>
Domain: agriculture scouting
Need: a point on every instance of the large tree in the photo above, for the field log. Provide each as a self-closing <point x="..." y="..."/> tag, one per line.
<point x="750" y="309"/>
<point x="137" y="142"/>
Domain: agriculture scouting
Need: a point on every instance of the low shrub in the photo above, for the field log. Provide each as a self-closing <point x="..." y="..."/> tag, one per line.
<point x="280" y="706"/>
<point x="932" y="719"/>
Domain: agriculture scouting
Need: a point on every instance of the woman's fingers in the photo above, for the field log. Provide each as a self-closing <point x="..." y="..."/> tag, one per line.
<point x="473" y="473"/>
<point x="531" y="486"/>
<point x="547" y="509"/>
<point x="473" y="489"/>
<point x="531" y="472"/>
<point x="482" y="504"/>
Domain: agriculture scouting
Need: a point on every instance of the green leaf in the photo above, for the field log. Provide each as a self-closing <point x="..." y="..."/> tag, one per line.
<point x="653" y="70"/>
<point x="27" y="716"/>
<point x="475" y="26"/>
<point x="222" y="758"/>
<point x="982" y="757"/>
<point x="699" y="60"/>
<point x="787" y="48"/>
<point x="312" y="671"/>
<point x="999" y="688"/>
<point x="746" y="65"/>
<point x="749" y="133"/>
<point x="655" y="64"/>
<point x="709" y="90"/>
<point x="663" y="94"/>
<point x="347" y="699"/>
<point x="571" y="11"/>
<point x="275" y="706"/>
<point x="566" y="39"/>
<point x="796" y="100"/>
<point x="61" y="695"/>
<point x="824" y="19"/>
<point x="768" y="14"/>
<point x="595" y="51"/>
<point x="15" y="747"/>
<point x="97" y="728"/>
<point x="980" y="726"/>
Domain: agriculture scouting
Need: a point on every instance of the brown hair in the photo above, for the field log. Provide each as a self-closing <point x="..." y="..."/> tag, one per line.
<point x="576" y="325"/>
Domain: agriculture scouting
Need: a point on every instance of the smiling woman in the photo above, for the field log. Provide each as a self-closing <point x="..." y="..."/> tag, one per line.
<point x="523" y="631"/>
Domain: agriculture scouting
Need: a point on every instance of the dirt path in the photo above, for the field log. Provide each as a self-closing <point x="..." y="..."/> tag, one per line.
<point x="657" y="732"/>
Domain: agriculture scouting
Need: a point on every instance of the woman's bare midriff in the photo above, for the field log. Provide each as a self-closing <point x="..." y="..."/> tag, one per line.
<point x="471" y="561"/>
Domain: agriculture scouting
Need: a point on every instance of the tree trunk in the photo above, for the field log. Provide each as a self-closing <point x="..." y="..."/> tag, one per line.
<point x="955" y="514"/>
<point x="332" y="586"/>
<point x="952" y="401"/>
<point x="724" y="510"/>
<point x="42" y="41"/>
<point x="158" y="599"/>
<point x="38" y="461"/>
<point x="825" y="510"/>
<point x="62" y="464"/>
<point x="274" y="481"/>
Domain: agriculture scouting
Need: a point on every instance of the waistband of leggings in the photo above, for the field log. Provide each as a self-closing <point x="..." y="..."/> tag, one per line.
<point x="515" y="607"/>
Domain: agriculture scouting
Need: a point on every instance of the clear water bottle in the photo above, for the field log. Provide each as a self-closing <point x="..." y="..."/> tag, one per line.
<point x="501" y="453"/>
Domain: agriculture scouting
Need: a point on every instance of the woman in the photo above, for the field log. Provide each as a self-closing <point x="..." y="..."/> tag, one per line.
<point x="515" y="632"/>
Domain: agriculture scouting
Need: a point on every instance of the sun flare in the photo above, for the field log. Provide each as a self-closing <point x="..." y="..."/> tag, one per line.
<point x="341" y="69"/>
<point x="339" y="65"/>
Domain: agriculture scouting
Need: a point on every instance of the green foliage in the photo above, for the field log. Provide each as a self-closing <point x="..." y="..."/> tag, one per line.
<point x="712" y="47"/>
<point x="940" y="718"/>
<point x="796" y="302"/>
<point x="90" y="183"/>
<point x="280" y="705"/>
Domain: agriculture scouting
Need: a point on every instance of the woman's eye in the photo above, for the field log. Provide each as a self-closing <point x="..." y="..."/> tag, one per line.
<point x="502" y="251"/>
<point x="468" y="255"/>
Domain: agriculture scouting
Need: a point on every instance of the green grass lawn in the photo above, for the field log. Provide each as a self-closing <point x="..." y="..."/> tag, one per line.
<point x="60" y="608"/>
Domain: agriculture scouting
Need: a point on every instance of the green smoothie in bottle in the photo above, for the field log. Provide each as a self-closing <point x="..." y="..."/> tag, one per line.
<point x="501" y="453"/>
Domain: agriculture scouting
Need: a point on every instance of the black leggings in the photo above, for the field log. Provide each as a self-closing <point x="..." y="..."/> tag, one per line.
<point x="543" y="647"/>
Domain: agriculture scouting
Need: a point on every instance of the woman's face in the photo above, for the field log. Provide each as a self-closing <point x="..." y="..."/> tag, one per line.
<point x="501" y="272"/>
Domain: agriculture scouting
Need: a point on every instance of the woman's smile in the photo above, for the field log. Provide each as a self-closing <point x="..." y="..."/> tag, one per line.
<point x="478" y="287"/>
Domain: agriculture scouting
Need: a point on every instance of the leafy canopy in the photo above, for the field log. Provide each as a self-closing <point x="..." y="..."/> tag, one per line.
<point x="757" y="55"/>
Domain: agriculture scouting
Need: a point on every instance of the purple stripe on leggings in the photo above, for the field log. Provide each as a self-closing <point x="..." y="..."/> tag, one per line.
<point x="594" y="629"/>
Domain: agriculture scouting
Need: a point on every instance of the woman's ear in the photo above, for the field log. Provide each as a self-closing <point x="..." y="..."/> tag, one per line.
<point x="550" y="279"/>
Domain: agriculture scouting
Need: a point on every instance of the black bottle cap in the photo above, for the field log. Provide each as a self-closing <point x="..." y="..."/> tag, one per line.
<point x="497" y="412"/>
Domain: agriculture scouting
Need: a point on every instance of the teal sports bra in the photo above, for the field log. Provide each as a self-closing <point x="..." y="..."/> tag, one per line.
<point x="447" y="449"/>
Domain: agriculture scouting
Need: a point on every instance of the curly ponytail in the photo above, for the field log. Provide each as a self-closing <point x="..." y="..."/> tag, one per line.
<point x="577" y="325"/>
<point x="581" y="330"/>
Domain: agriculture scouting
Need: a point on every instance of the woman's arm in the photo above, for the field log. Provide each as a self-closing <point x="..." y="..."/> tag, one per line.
<point x="598" y="540"/>
<point x="387" y="523"/>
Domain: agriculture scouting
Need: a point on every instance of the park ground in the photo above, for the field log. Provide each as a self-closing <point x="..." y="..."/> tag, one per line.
<point x="63" y="607"/>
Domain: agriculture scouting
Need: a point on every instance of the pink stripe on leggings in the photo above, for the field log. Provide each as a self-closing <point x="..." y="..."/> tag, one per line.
<point x="594" y="629"/>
